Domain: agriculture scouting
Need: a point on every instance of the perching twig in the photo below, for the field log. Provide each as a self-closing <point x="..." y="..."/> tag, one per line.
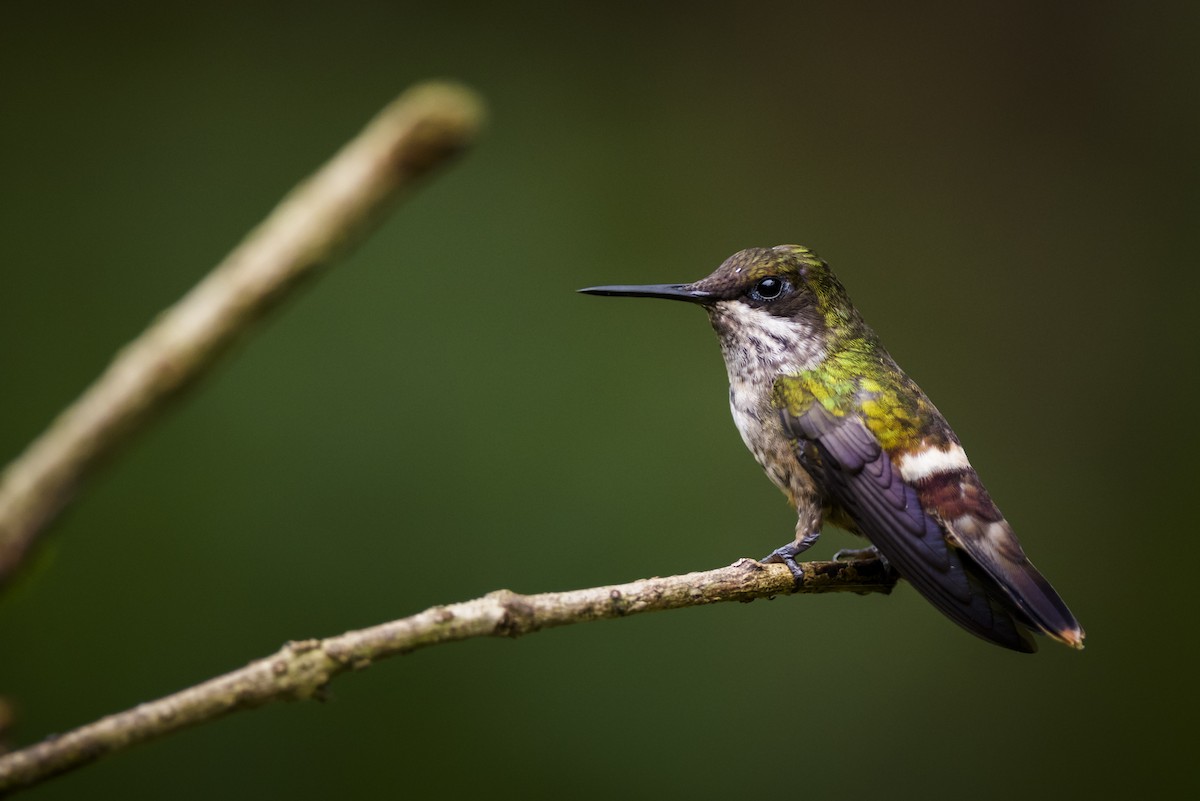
<point x="317" y="221"/>
<point x="300" y="670"/>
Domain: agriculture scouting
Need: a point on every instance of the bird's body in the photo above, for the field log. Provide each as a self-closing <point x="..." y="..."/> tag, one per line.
<point x="850" y="438"/>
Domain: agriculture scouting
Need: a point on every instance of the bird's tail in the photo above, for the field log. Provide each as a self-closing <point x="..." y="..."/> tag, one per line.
<point x="1026" y="591"/>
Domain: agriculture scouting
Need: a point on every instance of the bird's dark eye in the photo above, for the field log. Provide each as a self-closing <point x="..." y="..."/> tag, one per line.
<point x="768" y="288"/>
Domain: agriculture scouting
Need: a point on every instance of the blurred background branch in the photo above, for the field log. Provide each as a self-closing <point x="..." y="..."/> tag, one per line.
<point x="300" y="670"/>
<point x="321" y="218"/>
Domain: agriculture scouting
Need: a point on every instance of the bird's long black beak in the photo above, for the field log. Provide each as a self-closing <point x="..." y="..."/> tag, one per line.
<point x="667" y="291"/>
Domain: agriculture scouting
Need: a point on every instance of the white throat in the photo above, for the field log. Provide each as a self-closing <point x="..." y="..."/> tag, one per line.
<point x="758" y="346"/>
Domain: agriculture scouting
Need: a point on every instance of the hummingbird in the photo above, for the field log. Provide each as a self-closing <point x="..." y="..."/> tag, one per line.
<point x="850" y="439"/>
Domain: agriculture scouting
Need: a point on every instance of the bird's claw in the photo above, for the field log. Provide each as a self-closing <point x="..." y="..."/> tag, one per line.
<point x="871" y="552"/>
<point x="846" y="554"/>
<point x="787" y="555"/>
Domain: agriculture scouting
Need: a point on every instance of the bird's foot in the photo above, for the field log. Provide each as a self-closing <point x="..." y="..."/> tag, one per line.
<point x="788" y="553"/>
<point x="871" y="552"/>
<point x="846" y="554"/>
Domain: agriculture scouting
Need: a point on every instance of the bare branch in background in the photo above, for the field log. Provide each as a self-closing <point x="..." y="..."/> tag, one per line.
<point x="320" y="219"/>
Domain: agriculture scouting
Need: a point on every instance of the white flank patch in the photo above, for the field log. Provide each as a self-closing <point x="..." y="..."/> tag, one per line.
<point x="933" y="461"/>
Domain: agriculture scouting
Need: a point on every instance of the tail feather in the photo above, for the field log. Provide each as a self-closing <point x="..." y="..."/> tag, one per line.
<point x="993" y="546"/>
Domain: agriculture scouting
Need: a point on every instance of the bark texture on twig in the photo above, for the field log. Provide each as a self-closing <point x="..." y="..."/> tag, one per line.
<point x="300" y="670"/>
<point x="318" y="220"/>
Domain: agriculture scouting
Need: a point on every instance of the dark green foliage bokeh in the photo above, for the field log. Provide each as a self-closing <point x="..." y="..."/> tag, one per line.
<point x="1008" y="191"/>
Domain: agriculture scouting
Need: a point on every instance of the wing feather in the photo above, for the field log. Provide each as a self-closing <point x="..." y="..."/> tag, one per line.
<point x="864" y="481"/>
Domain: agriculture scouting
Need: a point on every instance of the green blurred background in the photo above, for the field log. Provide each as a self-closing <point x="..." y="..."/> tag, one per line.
<point x="1010" y="192"/>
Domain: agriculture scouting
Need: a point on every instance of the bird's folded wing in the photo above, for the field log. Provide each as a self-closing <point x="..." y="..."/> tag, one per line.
<point x="863" y="480"/>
